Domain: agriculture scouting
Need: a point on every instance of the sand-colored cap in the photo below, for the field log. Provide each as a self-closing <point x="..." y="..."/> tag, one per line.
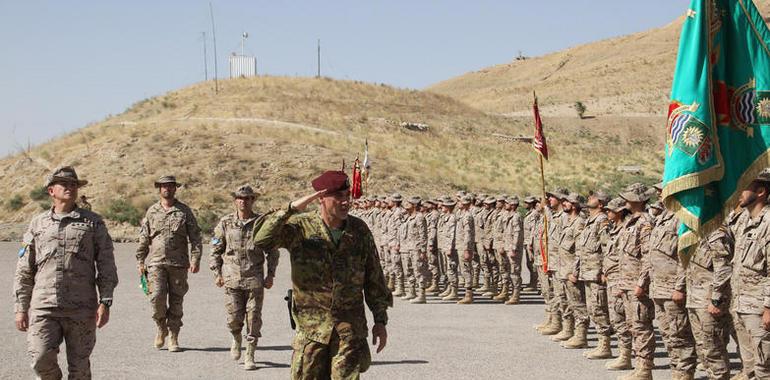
<point x="636" y="192"/>
<point x="64" y="174"/>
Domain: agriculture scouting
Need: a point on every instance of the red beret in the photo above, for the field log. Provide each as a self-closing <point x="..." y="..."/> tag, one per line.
<point x="331" y="181"/>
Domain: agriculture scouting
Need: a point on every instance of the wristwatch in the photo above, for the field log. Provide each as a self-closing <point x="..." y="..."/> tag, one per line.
<point x="106" y="302"/>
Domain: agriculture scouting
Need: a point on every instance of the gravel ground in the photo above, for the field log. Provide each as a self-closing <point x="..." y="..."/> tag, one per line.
<point x="438" y="340"/>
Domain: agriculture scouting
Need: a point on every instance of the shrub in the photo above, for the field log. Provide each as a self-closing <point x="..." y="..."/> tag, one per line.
<point x="123" y="211"/>
<point x="15" y="203"/>
<point x="39" y="193"/>
<point x="207" y="220"/>
<point x="580" y="108"/>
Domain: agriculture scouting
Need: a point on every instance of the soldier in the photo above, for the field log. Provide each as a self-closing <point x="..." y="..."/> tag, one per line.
<point x="465" y="244"/>
<point x="561" y="320"/>
<point x="476" y="207"/>
<point x="538" y="243"/>
<point x="588" y="273"/>
<point x="497" y="208"/>
<point x="392" y="226"/>
<point x="750" y="307"/>
<point x="707" y="281"/>
<point x="83" y="203"/>
<point x="530" y="221"/>
<point x="514" y="248"/>
<point x="334" y="270"/>
<point x="660" y="271"/>
<point x="239" y="267"/>
<point x="633" y="242"/>
<point x="66" y="256"/>
<point x="484" y="236"/>
<point x="446" y="239"/>
<point x="616" y="213"/>
<point x="576" y="298"/>
<point x="167" y="228"/>
<point x="414" y="240"/>
<point x="432" y="216"/>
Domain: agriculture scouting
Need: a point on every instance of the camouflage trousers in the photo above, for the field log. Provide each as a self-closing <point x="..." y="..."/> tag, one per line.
<point x="531" y="267"/>
<point x="384" y="260"/>
<point x="433" y="265"/>
<point x="546" y="290"/>
<point x="576" y="299"/>
<point x="504" y="263"/>
<point x="639" y="315"/>
<point x="451" y="267"/>
<point x="595" y="306"/>
<point x="561" y="300"/>
<point x="396" y="266"/>
<point x="711" y="337"/>
<point x="558" y="298"/>
<point x="754" y="344"/>
<point x="515" y="264"/>
<point x="169" y="285"/>
<point x="484" y="263"/>
<point x="344" y="358"/>
<point x="416" y="269"/>
<point x="674" y="327"/>
<point x="245" y="305"/>
<point x="46" y="333"/>
<point x="618" y="318"/>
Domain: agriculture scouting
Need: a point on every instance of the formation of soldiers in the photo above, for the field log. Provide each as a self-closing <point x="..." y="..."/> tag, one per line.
<point x="612" y="262"/>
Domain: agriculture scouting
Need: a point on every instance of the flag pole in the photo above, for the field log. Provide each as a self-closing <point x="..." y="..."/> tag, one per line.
<point x="544" y="247"/>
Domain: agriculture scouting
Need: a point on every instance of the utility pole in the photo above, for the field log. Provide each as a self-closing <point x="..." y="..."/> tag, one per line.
<point x="318" y="75"/>
<point x="214" y="35"/>
<point x="205" y="63"/>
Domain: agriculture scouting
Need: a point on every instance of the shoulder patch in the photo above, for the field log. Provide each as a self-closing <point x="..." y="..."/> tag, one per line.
<point x="215" y="241"/>
<point x="22" y="251"/>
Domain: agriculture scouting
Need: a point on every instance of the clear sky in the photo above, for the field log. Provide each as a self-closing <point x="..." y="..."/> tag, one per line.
<point x="64" y="64"/>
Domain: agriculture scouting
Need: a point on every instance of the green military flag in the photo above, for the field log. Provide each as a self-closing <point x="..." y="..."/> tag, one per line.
<point x="718" y="127"/>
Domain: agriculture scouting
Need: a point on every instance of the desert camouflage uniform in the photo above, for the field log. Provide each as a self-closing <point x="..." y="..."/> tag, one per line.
<point x="660" y="269"/>
<point x="530" y="222"/>
<point x="559" y="298"/>
<point x="481" y="227"/>
<point x="465" y="242"/>
<point x="576" y="299"/>
<point x="588" y="270"/>
<point x="64" y="260"/>
<point x="708" y="277"/>
<point x="381" y="227"/>
<point x="332" y="278"/>
<point x="393" y="224"/>
<point x="503" y="217"/>
<point x="611" y="269"/>
<point x="241" y="266"/>
<point x="414" y="240"/>
<point x="431" y="220"/>
<point x="514" y="241"/>
<point x="163" y="247"/>
<point x="446" y="238"/>
<point x="546" y="284"/>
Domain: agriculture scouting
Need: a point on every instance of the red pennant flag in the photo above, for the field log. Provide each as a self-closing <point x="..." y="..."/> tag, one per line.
<point x="355" y="190"/>
<point x="539" y="141"/>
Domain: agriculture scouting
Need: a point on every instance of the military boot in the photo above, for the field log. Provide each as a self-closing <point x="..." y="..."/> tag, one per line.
<point x="452" y="295"/>
<point x="546" y="321"/>
<point x="433" y="288"/>
<point x="391" y="284"/>
<point x="643" y="370"/>
<point x="235" y="347"/>
<point x="248" y="362"/>
<point x="399" y="289"/>
<point x="491" y="290"/>
<point x="420" y="297"/>
<point x="503" y="295"/>
<point x="514" y="297"/>
<point x="579" y="339"/>
<point x="567" y="330"/>
<point x="409" y="294"/>
<point x="468" y="299"/>
<point x="602" y="350"/>
<point x="680" y="375"/>
<point x="554" y="326"/>
<point x="446" y="291"/>
<point x="740" y="376"/>
<point x="484" y="288"/>
<point x="160" y="336"/>
<point x="622" y="362"/>
<point x="173" y="342"/>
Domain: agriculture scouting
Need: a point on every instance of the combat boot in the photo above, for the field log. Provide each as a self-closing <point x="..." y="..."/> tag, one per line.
<point x="554" y="326"/>
<point x="248" y="362"/>
<point x="491" y="290"/>
<point x="160" y="336"/>
<point x="409" y="294"/>
<point x="433" y="288"/>
<point x="446" y="291"/>
<point x="622" y="362"/>
<point x="740" y="376"/>
<point x="514" y="300"/>
<point x="468" y="299"/>
<point x="579" y="339"/>
<point x="503" y="295"/>
<point x="452" y="295"/>
<point x="173" y="342"/>
<point x="545" y="322"/>
<point x="420" y="298"/>
<point x="602" y="350"/>
<point x="235" y="347"/>
<point x="484" y="288"/>
<point x="567" y="330"/>
<point x="679" y="375"/>
<point x="399" y="289"/>
<point x="391" y="284"/>
<point x="643" y="370"/>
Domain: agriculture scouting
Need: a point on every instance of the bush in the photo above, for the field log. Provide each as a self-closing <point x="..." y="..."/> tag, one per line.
<point x="580" y="108"/>
<point x="39" y="193"/>
<point x="15" y="203"/>
<point x="45" y="205"/>
<point x="207" y="220"/>
<point x="123" y="211"/>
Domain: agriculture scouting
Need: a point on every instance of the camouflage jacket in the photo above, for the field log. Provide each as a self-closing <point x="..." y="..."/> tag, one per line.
<point x="530" y="221"/>
<point x="465" y="239"/>
<point x="555" y="220"/>
<point x="498" y="229"/>
<point x="661" y="265"/>
<point x="514" y="234"/>
<point x="331" y="280"/>
<point x="431" y="220"/>
<point x="235" y="258"/>
<point x="381" y="226"/>
<point x="487" y="240"/>
<point x="570" y="231"/>
<point x="708" y="273"/>
<point x="589" y="246"/>
<point x="447" y="232"/>
<point x="480" y="226"/>
<point x="165" y="234"/>
<point x="750" y="284"/>
<point x="414" y="233"/>
<point x="537" y="245"/>
<point x="611" y="253"/>
<point x="63" y="261"/>
<point x="633" y="242"/>
<point x="393" y="225"/>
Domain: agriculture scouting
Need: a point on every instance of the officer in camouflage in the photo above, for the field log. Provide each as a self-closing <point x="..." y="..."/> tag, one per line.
<point x="239" y="267"/>
<point x="616" y="214"/>
<point x="530" y="221"/>
<point x="334" y="270"/>
<point x="414" y="240"/>
<point x="67" y="256"/>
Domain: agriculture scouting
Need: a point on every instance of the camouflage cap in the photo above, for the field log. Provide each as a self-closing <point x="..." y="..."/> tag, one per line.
<point x="460" y="194"/>
<point x="559" y="193"/>
<point x="576" y="199"/>
<point x="396" y="197"/>
<point x="600" y="195"/>
<point x="616" y="205"/>
<point x="382" y="198"/>
<point x="415" y="200"/>
<point x="512" y="200"/>
<point x="64" y="174"/>
<point x="466" y="199"/>
<point x="166" y="179"/>
<point x="244" y="191"/>
<point x="530" y="199"/>
<point x="657" y="205"/>
<point x="490" y="200"/>
<point x="448" y="201"/>
<point x="428" y="201"/>
<point x="763" y="176"/>
<point x="636" y="192"/>
<point x="482" y="196"/>
<point x="658" y="186"/>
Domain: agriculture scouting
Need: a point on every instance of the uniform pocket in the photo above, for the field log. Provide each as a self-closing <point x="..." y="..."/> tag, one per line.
<point x="755" y="256"/>
<point x="77" y="234"/>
